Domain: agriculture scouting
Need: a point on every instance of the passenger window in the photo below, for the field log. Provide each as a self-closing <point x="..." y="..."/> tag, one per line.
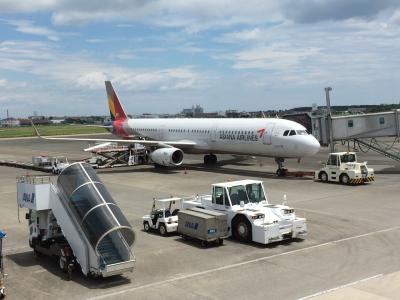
<point x="292" y="132"/>
<point x="381" y="120"/>
<point x="286" y="132"/>
<point x="350" y="123"/>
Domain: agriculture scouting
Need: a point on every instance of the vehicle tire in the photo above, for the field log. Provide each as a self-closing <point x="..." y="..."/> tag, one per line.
<point x="162" y="229"/>
<point x="220" y="242"/>
<point x="323" y="176"/>
<point x="207" y="159"/>
<point x="69" y="272"/>
<point x="344" y="179"/>
<point x="62" y="264"/>
<point x="242" y="229"/>
<point x="99" y="162"/>
<point x="146" y="226"/>
<point x="2" y="293"/>
<point x="36" y="254"/>
<point x="203" y="244"/>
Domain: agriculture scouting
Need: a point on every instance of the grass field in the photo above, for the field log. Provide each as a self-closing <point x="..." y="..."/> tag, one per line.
<point x="49" y="130"/>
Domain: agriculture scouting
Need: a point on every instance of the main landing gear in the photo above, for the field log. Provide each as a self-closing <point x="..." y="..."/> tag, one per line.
<point x="281" y="170"/>
<point x="210" y="159"/>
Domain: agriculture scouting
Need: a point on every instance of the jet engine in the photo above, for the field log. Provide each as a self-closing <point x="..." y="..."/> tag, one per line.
<point x="167" y="156"/>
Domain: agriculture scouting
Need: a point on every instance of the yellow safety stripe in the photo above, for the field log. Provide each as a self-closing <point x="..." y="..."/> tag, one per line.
<point x="361" y="180"/>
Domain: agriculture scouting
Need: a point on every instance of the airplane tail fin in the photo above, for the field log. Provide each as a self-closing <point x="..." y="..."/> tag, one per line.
<point x="116" y="110"/>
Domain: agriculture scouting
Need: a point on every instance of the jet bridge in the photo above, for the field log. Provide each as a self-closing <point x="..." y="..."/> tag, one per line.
<point x="94" y="226"/>
<point x="363" y="130"/>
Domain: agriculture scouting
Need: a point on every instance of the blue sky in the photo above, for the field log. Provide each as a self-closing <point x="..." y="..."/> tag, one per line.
<point x="162" y="55"/>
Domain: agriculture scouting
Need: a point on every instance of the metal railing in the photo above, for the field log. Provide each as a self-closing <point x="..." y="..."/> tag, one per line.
<point x="33" y="179"/>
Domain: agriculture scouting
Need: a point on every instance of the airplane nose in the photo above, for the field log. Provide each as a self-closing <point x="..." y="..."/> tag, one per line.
<point x="313" y="145"/>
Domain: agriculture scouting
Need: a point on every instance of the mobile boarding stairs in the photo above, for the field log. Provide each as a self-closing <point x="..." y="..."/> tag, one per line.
<point x="93" y="225"/>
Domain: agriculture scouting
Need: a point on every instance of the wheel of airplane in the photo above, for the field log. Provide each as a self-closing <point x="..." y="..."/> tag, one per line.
<point x="281" y="172"/>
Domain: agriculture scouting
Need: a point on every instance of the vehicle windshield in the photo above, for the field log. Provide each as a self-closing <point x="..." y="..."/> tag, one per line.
<point x="252" y="192"/>
<point x="168" y="206"/>
<point x="255" y="192"/>
<point x="238" y="193"/>
<point x="348" y="158"/>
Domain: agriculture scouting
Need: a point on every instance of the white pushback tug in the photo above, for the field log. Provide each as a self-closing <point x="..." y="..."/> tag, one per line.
<point x="343" y="167"/>
<point x="250" y="216"/>
<point x="77" y="221"/>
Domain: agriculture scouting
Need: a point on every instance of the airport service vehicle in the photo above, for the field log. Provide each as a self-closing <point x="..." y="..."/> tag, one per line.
<point x="168" y="139"/>
<point x="250" y="216"/>
<point x="77" y="221"/>
<point x="2" y="274"/>
<point x="163" y="216"/>
<point x="58" y="164"/>
<point x="203" y="224"/>
<point x="108" y="155"/>
<point x="343" y="167"/>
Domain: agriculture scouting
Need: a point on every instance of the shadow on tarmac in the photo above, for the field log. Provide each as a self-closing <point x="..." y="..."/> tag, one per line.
<point x="50" y="264"/>
<point x="217" y="168"/>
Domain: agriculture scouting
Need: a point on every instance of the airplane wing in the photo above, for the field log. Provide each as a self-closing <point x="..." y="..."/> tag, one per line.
<point x="179" y="144"/>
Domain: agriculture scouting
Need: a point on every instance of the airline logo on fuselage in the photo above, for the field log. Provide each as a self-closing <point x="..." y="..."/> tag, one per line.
<point x="248" y="137"/>
<point x="261" y="132"/>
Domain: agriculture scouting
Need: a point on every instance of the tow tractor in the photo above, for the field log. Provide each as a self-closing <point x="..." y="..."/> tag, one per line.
<point x="163" y="216"/>
<point x="2" y="274"/>
<point x="343" y="167"/>
<point x="250" y="216"/>
<point x="58" y="164"/>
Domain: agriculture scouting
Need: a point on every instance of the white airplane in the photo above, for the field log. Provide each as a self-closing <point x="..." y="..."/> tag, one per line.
<point x="168" y="139"/>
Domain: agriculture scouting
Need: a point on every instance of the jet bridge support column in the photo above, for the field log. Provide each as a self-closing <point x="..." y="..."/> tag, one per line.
<point x="329" y="119"/>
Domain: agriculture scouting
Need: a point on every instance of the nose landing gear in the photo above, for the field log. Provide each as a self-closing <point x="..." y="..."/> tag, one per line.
<point x="281" y="171"/>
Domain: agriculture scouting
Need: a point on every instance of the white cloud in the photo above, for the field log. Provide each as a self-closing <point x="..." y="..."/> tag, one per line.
<point x="125" y="54"/>
<point x="242" y="36"/>
<point x="272" y="58"/>
<point x="80" y="71"/>
<point x="3" y="82"/>
<point x="28" y="27"/>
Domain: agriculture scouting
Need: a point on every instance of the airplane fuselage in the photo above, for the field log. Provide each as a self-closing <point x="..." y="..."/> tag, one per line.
<point x="270" y="137"/>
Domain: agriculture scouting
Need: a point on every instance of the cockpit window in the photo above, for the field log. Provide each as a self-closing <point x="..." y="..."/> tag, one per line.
<point x="302" y="132"/>
<point x="286" y="132"/>
<point x="292" y="132"/>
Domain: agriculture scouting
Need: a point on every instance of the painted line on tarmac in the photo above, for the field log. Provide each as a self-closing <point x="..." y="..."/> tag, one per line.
<point x="231" y="266"/>
<point x="340" y="287"/>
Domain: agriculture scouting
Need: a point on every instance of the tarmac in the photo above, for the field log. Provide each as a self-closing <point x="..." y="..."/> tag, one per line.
<point x="351" y="250"/>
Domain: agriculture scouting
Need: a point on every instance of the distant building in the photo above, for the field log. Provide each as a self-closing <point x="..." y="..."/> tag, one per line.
<point x="232" y="113"/>
<point x="9" y="122"/>
<point x="195" y="111"/>
<point x="357" y="110"/>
